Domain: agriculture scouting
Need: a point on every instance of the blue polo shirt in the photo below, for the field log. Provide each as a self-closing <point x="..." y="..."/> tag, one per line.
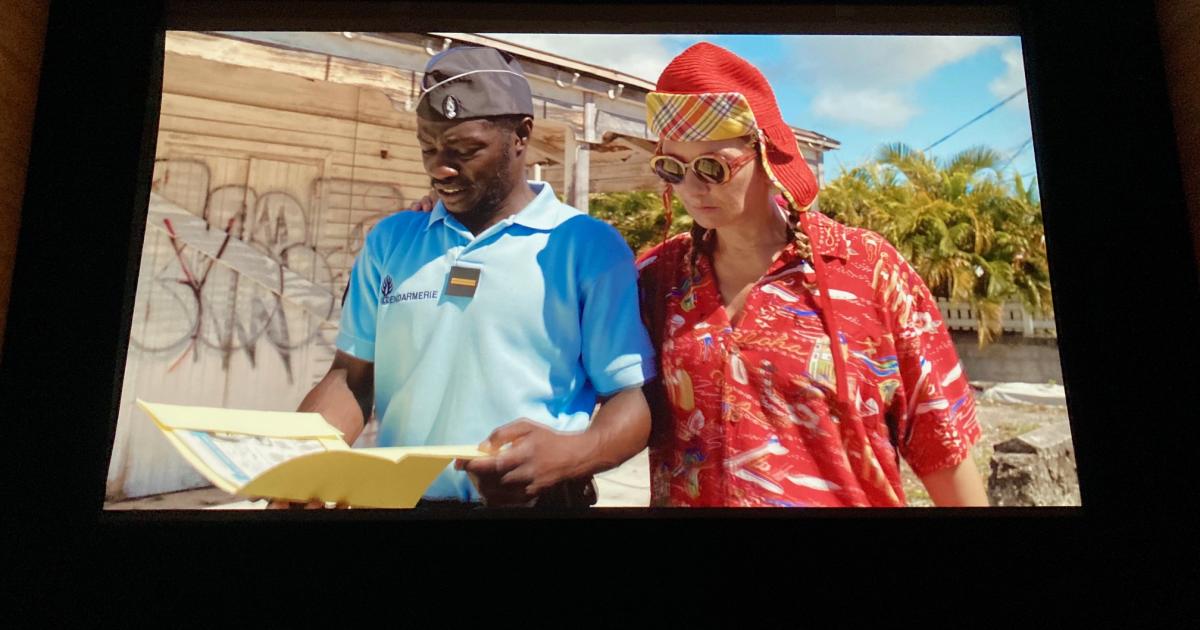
<point x="554" y="322"/>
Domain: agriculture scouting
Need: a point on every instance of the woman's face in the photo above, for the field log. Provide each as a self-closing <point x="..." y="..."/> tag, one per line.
<point x="714" y="206"/>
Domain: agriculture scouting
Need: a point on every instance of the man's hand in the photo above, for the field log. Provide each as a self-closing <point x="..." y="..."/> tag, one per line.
<point x="315" y="504"/>
<point x="538" y="458"/>
<point x="426" y="203"/>
<point x="289" y="505"/>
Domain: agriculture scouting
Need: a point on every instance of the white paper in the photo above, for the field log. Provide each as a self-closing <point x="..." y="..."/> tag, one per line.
<point x="240" y="457"/>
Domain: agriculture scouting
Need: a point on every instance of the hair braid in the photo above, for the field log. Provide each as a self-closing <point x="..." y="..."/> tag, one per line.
<point x="700" y="245"/>
<point x="797" y="235"/>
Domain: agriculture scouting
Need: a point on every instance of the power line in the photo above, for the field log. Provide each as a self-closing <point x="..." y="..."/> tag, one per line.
<point x="1017" y="152"/>
<point x="973" y="120"/>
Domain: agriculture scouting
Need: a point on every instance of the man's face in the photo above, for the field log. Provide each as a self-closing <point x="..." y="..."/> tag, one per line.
<point x="469" y="163"/>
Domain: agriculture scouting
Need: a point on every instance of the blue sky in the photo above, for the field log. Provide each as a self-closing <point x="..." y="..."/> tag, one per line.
<point x="863" y="91"/>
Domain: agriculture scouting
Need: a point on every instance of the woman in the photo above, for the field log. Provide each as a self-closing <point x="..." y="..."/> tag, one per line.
<point x="755" y="406"/>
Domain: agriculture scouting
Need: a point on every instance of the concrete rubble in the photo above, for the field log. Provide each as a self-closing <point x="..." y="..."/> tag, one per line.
<point x="1035" y="469"/>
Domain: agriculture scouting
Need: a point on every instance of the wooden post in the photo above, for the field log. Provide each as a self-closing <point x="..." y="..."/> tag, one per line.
<point x="570" y="153"/>
<point x="579" y="196"/>
<point x="581" y="174"/>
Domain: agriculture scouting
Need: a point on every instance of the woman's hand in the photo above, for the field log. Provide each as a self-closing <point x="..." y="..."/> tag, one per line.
<point x="426" y="203"/>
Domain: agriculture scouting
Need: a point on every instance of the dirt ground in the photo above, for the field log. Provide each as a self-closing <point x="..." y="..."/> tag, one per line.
<point x="629" y="484"/>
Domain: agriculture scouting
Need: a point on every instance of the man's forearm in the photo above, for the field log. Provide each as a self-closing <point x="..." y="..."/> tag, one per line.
<point x="334" y="400"/>
<point x="619" y="431"/>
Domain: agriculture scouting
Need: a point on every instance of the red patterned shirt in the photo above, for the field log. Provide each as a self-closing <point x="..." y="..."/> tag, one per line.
<point x="745" y="416"/>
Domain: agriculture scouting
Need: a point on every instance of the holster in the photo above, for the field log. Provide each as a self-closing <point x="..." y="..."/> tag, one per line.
<point x="569" y="494"/>
<point x="566" y="495"/>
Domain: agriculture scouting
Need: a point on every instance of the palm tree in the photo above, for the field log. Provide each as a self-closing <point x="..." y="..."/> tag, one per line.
<point x="638" y="216"/>
<point x="970" y="235"/>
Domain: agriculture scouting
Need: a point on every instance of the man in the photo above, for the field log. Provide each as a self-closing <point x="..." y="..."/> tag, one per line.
<point x="501" y="316"/>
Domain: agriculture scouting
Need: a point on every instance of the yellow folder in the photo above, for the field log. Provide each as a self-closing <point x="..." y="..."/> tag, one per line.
<point x="298" y="457"/>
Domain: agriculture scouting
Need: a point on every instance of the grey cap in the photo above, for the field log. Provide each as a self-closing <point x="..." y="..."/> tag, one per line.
<point x="473" y="82"/>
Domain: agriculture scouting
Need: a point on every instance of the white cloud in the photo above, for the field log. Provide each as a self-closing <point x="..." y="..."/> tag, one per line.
<point x="855" y="61"/>
<point x="863" y="80"/>
<point x="1012" y="80"/>
<point x="872" y="108"/>
<point x="868" y="80"/>
<point x="643" y="56"/>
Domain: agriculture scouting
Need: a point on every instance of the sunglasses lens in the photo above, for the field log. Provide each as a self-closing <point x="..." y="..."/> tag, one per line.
<point x="710" y="170"/>
<point x="668" y="169"/>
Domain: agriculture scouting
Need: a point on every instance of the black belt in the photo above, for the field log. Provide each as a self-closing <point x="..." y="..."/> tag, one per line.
<point x="573" y="493"/>
<point x="448" y="504"/>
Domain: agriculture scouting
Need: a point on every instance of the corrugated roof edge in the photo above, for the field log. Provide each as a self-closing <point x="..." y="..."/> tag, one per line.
<point x="551" y="58"/>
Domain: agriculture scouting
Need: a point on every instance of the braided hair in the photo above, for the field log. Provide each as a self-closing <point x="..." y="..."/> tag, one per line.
<point x="703" y="244"/>
<point x="796" y="232"/>
<point x="803" y="246"/>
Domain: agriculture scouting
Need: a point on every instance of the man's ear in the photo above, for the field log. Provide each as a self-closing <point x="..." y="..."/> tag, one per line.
<point x="524" y="130"/>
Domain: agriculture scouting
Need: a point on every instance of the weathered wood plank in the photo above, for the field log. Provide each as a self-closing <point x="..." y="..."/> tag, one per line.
<point x="406" y="181"/>
<point x="245" y="148"/>
<point x="374" y="76"/>
<point x="204" y="108"/>
<point x="242" y="53"/>
<point x="222" y="129"/>
<point x="194" y="76"/>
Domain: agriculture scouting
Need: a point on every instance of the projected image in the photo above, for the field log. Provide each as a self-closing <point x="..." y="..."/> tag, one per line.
<point x="823" y="255"/>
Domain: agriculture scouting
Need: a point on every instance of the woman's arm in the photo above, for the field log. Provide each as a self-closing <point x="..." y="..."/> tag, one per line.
<point x="937" y="423"/>
<point x="957" y="486"/>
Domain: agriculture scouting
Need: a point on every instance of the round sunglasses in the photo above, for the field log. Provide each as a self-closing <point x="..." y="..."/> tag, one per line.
<point x="711" y="168"/>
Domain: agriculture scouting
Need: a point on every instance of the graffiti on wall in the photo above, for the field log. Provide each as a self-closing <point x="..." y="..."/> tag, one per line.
<point x="229" y="296"/>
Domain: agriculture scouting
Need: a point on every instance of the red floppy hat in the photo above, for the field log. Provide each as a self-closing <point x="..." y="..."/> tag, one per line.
<point x="709" y="93"/>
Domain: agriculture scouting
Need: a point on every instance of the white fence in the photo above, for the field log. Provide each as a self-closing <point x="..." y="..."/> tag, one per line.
<point x="1013" y="318"/>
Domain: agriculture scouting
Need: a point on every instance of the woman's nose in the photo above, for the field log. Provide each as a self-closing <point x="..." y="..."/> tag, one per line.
<point x="693" y="183"/>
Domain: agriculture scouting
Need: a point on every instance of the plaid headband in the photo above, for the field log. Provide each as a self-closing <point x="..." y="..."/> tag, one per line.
<point x="693" y="117"/>
<point x="711" y="116"/>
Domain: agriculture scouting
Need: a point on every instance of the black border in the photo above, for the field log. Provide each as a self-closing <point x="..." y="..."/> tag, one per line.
<point x="1126" y="298"/>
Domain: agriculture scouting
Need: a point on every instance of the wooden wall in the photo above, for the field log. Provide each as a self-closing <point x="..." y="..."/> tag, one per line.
<point x="297" y="155"/>
<point x="22" y="36"/>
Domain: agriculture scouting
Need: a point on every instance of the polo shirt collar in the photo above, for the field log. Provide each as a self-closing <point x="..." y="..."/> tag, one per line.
<point x="541" y="213"/>
<point x="439" y="213"/>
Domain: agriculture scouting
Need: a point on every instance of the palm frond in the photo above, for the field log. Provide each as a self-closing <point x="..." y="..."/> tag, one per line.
<point x="974" y="159"/>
